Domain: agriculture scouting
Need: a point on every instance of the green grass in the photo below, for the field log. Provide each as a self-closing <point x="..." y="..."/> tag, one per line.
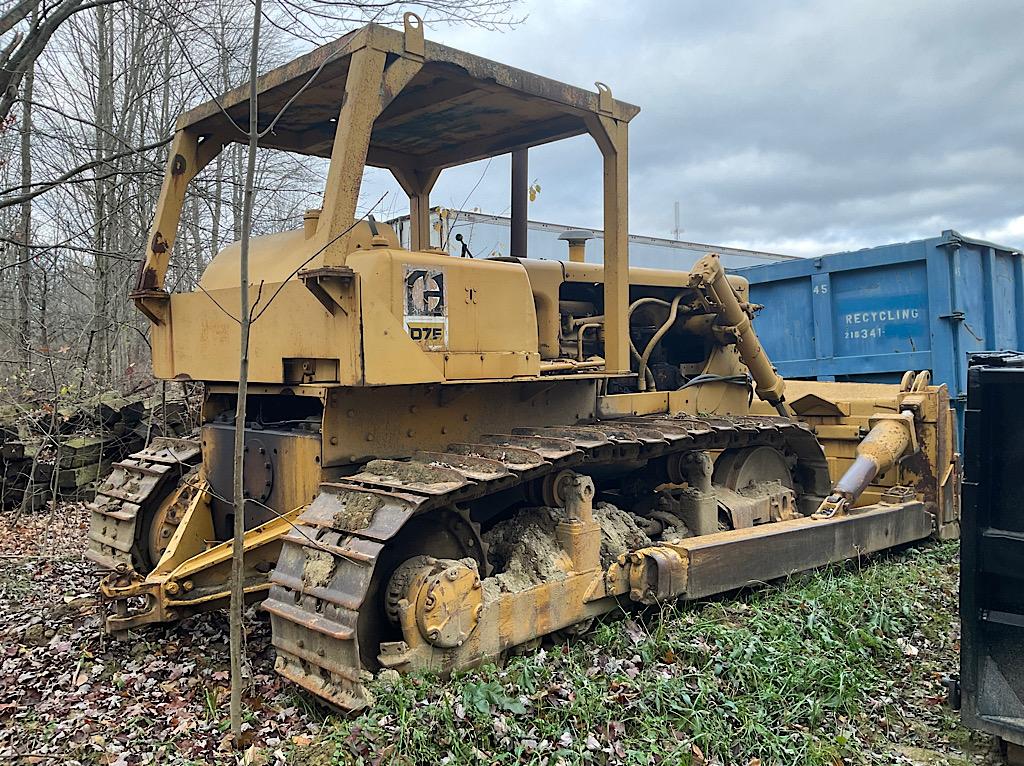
<point x="837" y="666"/>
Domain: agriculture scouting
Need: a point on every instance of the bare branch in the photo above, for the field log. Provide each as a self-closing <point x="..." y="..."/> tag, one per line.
<point x="45" y="186"/>
<point x="20" y="59"/>
<point x="17" y="14"/>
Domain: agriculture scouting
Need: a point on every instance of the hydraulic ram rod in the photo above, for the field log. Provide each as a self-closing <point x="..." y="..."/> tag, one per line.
<point x="769" y="385"/>
<point x="890" y="439"/>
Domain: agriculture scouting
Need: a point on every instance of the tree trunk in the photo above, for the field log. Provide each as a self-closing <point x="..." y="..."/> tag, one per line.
<point x="236" y="193"/>
<point x="237" y="551"/>
<point x="101" y="207"/>
<point x="44" y="292"/>
<point x="218" y="190"/>
<point x="25" y="227"/>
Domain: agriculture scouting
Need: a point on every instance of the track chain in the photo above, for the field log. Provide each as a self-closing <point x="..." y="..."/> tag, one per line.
<point x="129" y="496"/>
<point x="323" y="578"/>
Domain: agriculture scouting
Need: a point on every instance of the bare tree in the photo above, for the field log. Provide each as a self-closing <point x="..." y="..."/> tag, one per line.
<point x="25" y="222"/>
<point x="26" y="45"/>
<point x="245" y="318"/>
<point x="89" y="91"/>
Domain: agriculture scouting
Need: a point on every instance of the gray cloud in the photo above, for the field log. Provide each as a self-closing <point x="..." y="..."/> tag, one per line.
<point x="806" y="126"/>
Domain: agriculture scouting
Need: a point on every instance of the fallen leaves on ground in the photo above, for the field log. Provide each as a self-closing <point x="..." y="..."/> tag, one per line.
<point x="69" y="690"/>
<point x="841" y="667"/>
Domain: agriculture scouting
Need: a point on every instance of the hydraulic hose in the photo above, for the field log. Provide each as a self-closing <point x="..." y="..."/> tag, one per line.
<point x="653" y="342"/>
<point x="647" y="378"/>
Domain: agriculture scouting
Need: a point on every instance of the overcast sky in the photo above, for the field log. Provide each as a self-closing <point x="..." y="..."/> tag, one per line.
<point x="800" y="127"/>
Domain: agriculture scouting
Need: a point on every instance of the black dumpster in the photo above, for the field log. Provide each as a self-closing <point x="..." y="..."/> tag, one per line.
<point x="992" y="550"/>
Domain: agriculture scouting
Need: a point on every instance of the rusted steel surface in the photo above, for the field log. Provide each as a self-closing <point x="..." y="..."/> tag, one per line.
<point x="128" y="496"/>
<point x="737" y="558"/>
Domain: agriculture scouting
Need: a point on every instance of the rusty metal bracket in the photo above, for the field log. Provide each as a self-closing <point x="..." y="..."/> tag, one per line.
<point x="832" y="506"/>
<point x="656" y="574"/>
<point x="898" y="495"/>
<point x="605" y="102"/>
<point x="155" y="304"/>
<point x="906" y="420"/>
<point x="329" y="285"/>
<point x="580" y="536"/>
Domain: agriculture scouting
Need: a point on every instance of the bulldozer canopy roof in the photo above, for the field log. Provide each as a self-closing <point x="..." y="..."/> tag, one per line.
<point x="458" y="108"/>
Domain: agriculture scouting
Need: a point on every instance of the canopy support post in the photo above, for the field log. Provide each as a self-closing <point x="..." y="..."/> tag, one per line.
<point x="611" y="136"/>
<point x="520" y="201"/>
<point x="417" y="184"/>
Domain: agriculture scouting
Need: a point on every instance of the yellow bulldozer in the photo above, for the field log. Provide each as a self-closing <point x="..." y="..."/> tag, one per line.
<point x="447" y="458"/>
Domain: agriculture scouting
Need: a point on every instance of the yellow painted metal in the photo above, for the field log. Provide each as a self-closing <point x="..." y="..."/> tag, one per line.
<point x="186" y="158"/>
<point x="448" y="600"/>
<point x="708" y="272"/>
<point x="194" y="343"/>
<point x="387" y="79"/>
<point x="360" y="423"/>
<point x="645" y="403"/>
<point x="193" y="535"/>
<point x="371" y="351"/>
<point x="276" y="257"/>
<point x="487" y="331"/>
<point x="185" y="584"/>
<point x="691" y="568"/>
<point x="718" y="398"/>
<point x="579" y="536"/>
<point x="220" y="555"/>
<point x="513" y="619"/>
<point x="842" y="414"/>
<point x="611" y="137"/>
<point x="417" y="184"/>
<point x="360" y="107"/>
<point x="889" y="440"/>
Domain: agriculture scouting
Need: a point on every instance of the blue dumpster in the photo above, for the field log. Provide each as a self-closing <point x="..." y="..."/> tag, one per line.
<point x="871" y="314"/>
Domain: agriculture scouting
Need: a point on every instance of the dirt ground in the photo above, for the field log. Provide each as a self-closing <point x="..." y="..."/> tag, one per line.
<point x="67" y="690"/>
<point x="69" y="694"/>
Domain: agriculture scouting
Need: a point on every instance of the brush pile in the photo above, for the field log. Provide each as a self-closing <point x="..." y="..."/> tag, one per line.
<point x="62" y="453"/>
